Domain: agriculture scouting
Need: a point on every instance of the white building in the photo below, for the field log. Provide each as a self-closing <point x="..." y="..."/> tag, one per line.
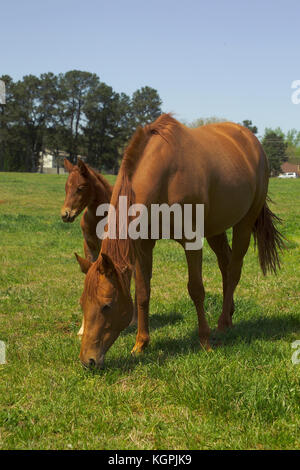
<point x="52" y="165"/>
<point x="49" y="164"/>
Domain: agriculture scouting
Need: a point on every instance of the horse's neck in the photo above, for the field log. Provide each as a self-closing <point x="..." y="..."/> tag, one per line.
<point x="102" y="195"/>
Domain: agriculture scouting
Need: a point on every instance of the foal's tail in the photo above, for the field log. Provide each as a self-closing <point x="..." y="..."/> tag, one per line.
<point x="268" y="239"/>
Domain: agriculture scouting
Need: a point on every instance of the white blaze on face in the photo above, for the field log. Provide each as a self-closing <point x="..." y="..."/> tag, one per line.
<point x="80" y="332"/>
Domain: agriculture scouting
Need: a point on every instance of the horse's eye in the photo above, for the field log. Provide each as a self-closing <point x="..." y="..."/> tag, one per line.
<point x="80" y="188"/>
<point x="106" y="308"/>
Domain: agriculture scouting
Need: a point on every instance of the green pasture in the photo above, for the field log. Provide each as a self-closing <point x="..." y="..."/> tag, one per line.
<point x="245" y="394"/>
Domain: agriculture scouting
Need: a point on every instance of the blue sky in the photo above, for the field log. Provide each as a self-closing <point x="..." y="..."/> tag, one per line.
<point x="232" y="58"/>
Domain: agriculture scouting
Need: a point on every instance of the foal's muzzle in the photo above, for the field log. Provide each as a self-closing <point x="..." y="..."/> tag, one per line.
<point x="67" y="215"/>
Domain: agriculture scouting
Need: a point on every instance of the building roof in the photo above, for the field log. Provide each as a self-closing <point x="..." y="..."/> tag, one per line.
<point x="287" y="167"/>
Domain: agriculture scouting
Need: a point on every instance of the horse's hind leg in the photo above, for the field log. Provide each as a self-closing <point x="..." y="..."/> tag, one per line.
<point x="219" y="244"/>
<point x="240" y="243"/>
<point x="197" y="293"/>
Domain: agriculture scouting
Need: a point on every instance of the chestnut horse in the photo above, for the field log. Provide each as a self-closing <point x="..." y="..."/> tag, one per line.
<point x="222" y="166"/>
<point x="85" y="189"/>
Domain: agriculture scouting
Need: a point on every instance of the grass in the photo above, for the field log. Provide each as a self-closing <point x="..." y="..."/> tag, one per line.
<point x="243" y="395"/>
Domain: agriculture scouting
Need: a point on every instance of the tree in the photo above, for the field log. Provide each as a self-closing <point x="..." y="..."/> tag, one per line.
<point x="107" y="126"/>
<point x="23" y="120"/>
<point x="74" y="87"/>
<point x="248" y="123"/>
<point x="73" y="113"/>
<point x="278" y="131"/>
<point x="203" y="121"/>
<point x="293" y="137"/>
<point x="5" y="110"/>
<point x="276" y="150"/>
<point x="146" y="106"/>
<point x="293" y="140"/>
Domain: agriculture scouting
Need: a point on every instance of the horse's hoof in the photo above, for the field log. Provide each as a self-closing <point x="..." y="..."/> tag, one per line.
<point x="136" y="351"/>
<point x="139" y="348"/>
<point x="205" y="344"/>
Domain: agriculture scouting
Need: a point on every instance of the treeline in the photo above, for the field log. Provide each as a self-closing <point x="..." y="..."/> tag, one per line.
<point x="77" y="114"/>
<point x="74" y="113"/>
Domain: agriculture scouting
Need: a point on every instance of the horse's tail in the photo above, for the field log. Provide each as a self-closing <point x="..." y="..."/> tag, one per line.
<point x="268" y="239"/>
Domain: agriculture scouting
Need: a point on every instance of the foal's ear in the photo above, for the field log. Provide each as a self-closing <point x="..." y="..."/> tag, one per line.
<point x="82" y="167"/>
<point x="68" y="165"/>
<point x="107" y="265"/>
<point x="84" y="264"/>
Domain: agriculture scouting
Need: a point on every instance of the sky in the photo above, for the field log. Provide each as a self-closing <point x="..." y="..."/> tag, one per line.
<point x="235" y="59"/>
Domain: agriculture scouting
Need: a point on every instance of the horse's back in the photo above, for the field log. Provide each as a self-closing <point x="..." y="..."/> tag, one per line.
<point x="230" y="148"/>
<point x="221" y="165"/>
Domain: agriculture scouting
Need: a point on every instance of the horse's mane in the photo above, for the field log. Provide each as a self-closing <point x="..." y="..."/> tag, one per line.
<point x="164" y="126"/>
<point x="123" y="252"/>
<point x="107" y="187"/>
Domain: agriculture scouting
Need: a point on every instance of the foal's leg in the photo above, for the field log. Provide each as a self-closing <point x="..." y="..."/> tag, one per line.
<point x="91" y="250"/>
<point x="240" y="244"/>
<point x="87" y="253"/>
<point x="219" y="244"/>
<point x="197" y="293"/>
<point x="134" y="320"/>
<point x="143" y="273"/>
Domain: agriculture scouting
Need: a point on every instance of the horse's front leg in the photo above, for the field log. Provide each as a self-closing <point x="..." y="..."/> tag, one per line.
<point x="143" y="273"/>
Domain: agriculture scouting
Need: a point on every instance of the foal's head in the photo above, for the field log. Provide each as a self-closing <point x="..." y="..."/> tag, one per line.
<point x="79" y="190"/>
<point x="107" y="308"/>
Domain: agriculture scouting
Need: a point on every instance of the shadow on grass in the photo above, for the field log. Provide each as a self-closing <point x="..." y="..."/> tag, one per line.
<point x="244" y="332"/>
<point x="157" y="321"/>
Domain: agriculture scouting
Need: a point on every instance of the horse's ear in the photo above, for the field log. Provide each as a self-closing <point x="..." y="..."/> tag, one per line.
<point x="68" y="165"/>
<point x="82" y="167"/>
<point x="107" y="265"/>
<point x="84" y="264"/>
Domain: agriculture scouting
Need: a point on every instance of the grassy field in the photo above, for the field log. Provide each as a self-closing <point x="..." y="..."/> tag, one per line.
<point x="243" y="395"/>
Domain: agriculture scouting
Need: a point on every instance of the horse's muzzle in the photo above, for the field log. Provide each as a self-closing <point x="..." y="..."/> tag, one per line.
<point x="92" y="364"/>
<point x="68" y="216"/>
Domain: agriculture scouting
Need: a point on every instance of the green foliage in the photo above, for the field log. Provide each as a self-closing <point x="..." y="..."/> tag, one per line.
<point x="107" y="128"/>
<point x="276" y="150"/>
<point x="248" y="123"/>
<point x="146" y="106"/>
<point x="72" y="112"/>
<point x="293" y="150"/>
<point x="242" y="395"/>
<point x="203" y="121"/>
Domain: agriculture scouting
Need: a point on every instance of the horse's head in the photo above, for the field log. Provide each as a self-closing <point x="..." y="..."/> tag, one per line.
<point x="79" y="190"/>
<point x="107" y="308"/>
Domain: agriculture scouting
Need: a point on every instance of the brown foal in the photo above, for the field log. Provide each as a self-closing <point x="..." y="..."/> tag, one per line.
<point x="85" y="189"/>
